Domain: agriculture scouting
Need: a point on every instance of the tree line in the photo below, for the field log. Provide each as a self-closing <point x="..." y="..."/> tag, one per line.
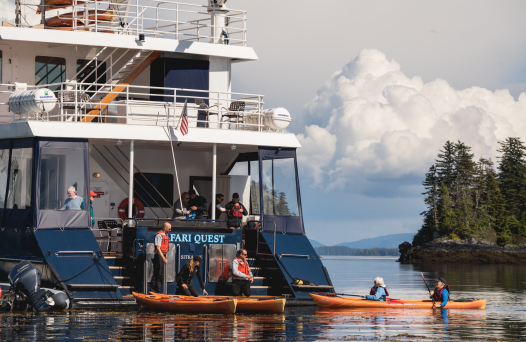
<point x="467" y="198"/>
<point x="344" y="250"/>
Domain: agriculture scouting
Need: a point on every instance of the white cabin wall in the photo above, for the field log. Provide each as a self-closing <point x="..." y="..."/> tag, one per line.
<point x="219" y="79"/>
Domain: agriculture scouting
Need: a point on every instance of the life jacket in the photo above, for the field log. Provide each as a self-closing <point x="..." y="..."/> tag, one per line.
<point x="243" y="266"/>
<point x="235" y="211"/>
<point x="166" y="241"/>
<point x="373" y="291"/>
<point x="437" y="294"/>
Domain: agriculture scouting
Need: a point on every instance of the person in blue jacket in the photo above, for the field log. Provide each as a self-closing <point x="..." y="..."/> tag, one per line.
<point x="441" y="292"/>
<point x="378" y="291"/>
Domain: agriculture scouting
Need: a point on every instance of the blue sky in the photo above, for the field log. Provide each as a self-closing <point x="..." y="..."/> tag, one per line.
<point x="361" y="174"/>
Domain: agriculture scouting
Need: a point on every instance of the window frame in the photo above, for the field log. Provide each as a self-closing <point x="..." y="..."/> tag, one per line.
<point x="37" y="83"/>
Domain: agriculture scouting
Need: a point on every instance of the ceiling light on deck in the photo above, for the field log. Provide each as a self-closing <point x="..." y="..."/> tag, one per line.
<point x="96" y="175"/>
<point x="233" y="147"/>
<point x="119" y="142"/>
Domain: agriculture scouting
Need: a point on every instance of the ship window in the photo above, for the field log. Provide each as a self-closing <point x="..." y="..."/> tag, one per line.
<point x="279" y="187"/>
<point x="239" y="169"/>
<point x="19" y="192"/>
<point x="163" y="182"/>
<point x="62" y="170"/>
<point x="95" y="70"/>
<point x="49" y="70"/>
<point x="4" y="165"/>
<point x="254" y="187"/>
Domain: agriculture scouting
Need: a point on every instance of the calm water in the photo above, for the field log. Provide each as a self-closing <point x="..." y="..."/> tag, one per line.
<point x="503" y="320"/>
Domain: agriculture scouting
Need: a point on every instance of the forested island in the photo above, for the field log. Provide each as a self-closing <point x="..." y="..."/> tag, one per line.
<point x="344" y="250"/>
<point x="474" y="207"/>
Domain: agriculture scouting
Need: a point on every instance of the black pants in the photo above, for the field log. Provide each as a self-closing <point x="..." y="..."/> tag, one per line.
<point x="190" y="291"/>
<point x="241" y="287"/>
<point x="158" y="274"/>
<point x="232" y="224"/>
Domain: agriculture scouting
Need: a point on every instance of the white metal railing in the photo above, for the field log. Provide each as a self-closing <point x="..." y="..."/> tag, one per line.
<point x="151" y="18"/>
<point x="144" y="105"/>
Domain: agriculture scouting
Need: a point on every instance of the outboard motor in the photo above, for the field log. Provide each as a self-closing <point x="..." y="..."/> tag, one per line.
<point x="25" y="278"/>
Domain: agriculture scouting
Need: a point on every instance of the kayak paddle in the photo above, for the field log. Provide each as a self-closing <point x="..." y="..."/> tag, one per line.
<point x="428" y="287"/>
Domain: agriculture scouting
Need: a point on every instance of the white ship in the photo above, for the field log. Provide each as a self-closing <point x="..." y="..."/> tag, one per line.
<point x="132" y="100"/>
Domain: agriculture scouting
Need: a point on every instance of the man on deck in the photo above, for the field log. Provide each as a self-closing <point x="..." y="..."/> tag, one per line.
<point x="242" y="275"/>
<point x="161" y="245"/>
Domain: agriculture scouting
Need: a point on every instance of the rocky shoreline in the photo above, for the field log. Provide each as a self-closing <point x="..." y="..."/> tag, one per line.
<point x="461" y="251"/>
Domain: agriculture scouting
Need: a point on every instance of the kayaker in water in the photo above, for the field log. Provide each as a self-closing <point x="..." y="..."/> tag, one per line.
<point x="441" y="292"/>
<point x="185" y="276"/>
<point x="378" y="291"/>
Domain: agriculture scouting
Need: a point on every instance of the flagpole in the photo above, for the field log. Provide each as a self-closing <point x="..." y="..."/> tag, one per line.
<point x="180" y="116"/>
<point x="173" y="155"/>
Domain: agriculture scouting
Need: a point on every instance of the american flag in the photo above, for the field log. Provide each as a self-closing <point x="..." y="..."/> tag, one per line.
<point x="184" y="122"/>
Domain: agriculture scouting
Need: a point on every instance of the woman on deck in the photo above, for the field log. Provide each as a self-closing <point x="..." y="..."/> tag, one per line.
<point x="185" y="276"/>
<point x="441" y="293"/>
<point x="378" y="291"/>
<point x="182" y="213"/>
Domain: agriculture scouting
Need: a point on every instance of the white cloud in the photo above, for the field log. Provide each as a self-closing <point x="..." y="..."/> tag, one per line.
<point x="374" y="124"/>
<point x="8" y="11"/>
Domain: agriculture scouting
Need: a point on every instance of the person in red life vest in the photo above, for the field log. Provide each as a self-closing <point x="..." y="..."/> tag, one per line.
<point x="185" y="276"/>
<point x="161" y="245"/>
<point x="441" y="293"/>
<point x="241" y="275"/>
<point x="378" y="291"/>
<point x="219" y="209"/>
<point x="235" y="211"/>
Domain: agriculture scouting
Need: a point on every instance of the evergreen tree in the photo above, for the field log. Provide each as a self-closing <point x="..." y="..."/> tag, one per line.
<point x="464" y="174"/>
<point x="446" y="213"/>
<point x="512" y="175"/>
<point x="445" y="165"/>
<point x="497" y="211"/>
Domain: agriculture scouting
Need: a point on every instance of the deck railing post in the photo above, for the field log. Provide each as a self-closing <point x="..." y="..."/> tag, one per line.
<point x="165" y="278"/>
<point x="145" y="275"/>
<point x="130" y="192"/>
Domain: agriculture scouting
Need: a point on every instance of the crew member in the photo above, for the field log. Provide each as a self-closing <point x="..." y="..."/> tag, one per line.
<point x="378" y="291"/>
<point x="219" y="209"/>
<point x="235" y="211"/>
<point x="185" y="276"/>
<point x="92" y="196"/>
<point x="161" y="244"/>
<point x="242" y="276"/>
<point x="441" y="292"/>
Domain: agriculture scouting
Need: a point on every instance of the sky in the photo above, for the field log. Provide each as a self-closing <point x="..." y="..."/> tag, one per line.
<point x="375" y="88"/>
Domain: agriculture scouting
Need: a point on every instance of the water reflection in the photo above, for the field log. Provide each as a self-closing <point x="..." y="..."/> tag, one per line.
<point x="502" y="286"/>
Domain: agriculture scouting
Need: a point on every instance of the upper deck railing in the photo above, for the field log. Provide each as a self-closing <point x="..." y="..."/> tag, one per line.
<point x="149" y="18"/>
<point x="143" y="105"/>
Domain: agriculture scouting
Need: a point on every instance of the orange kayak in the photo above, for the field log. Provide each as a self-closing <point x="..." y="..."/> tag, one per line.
<point x="182" y="305"/>
<point x="67" y="19"/>
<point x="325" y="301"/>
<point x="257" y="304"/>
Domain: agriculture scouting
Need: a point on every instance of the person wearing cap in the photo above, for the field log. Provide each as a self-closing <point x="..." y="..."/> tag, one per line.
<point x="199" y="202"/>
<point x="441" y="293"/>
<point x="378" y="291"/>
<point x="235" y="210"/>
<point x="185" y="276"/>
<point x="92" y="196"/>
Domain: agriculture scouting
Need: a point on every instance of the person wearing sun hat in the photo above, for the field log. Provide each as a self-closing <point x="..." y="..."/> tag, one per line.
<point x="92" y="196"/>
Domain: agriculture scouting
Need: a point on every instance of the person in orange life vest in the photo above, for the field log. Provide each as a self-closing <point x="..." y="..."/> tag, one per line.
<point x="161" y="245"/>
<point x="242" y="275"/>
<point x="185" y="275"/>
<point x="441" y="292"/>
<point x="219" y="209"/>
<point x="235" y="210"/>
<point x="378" y="291"/>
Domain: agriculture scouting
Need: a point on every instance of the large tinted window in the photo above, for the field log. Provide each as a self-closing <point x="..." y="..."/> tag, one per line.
<point x="4" y="164"/>
<point x="164" y="183"/>
<point x="50" y="70"/>
<point x="279" y="187"/>
<point x="62" y="179"/>
<point x="19" y="193"/>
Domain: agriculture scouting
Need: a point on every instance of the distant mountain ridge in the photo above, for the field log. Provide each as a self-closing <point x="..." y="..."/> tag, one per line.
<point x="315" y="243"/>
<point x="386" y="241"/>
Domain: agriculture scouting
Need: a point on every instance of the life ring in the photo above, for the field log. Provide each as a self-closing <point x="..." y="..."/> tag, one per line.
<point x="137" y="208"/>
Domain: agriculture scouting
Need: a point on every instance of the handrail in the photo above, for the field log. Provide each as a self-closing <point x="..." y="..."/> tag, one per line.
<point x="275" y="228"/>
<point x="294" y="255"/>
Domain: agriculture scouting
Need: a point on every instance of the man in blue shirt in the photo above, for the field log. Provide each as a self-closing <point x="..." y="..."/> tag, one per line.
<point x="74" y="202"/>
<point x="441" y="292"/>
